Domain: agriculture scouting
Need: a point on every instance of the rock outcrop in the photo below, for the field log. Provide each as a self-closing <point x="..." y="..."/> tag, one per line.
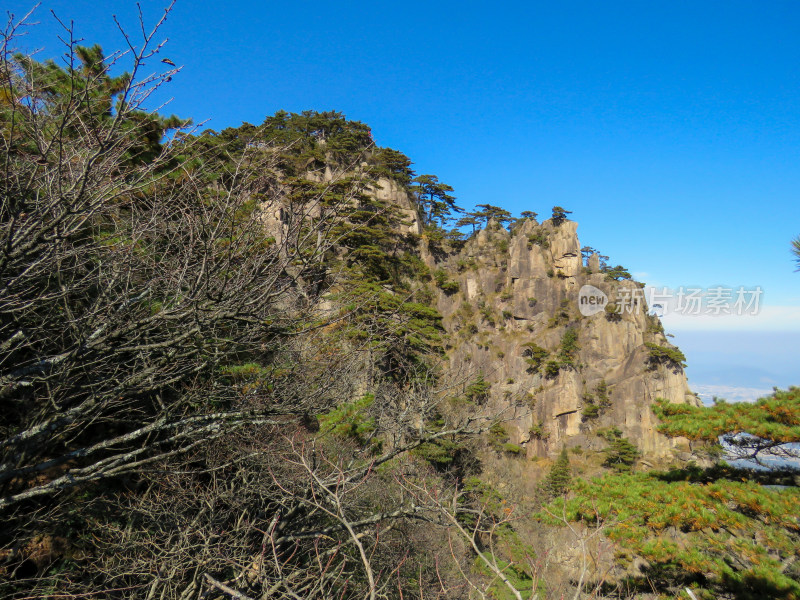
<point x="557" y="376"/>
<point x="516" y="300"/>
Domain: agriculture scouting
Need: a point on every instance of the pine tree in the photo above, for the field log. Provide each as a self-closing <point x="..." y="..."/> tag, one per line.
<point x="560" y="476"/>
<point x="559" y="215"/>
<point x="435" y="202"/>
<point x="621" y="454"/>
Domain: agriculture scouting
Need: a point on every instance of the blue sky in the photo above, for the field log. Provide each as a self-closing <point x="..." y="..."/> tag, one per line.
<point x="670" y="129"/>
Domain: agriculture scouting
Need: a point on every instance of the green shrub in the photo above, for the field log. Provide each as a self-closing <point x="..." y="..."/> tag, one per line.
<point x="590" y="411"/>
<point x="443" y="281"/>
<point x="538" y="238"/>
<point x="665" y="355"/>
<point x="537" y="431"/>
<point x="569" y="347"/>
<point x="559" y="478"/>
<point x="621" y="454"/>
<point x="424" y="295"/>
<point x="654" y="325"/>
<point x="694" y="528"/>
<point x="441" y="453"/>
<point x="478" y="390"/>
<point x="597" y="401"/>
<point x="610" y="433"/>
<point x="350" y="420"/>
<point x="601" y="390"/>
<point x="498" y="436"/>
<point x="551" y="369"/>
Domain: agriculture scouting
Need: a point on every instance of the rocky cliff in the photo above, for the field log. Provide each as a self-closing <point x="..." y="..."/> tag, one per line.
<point x="510" y="302"/>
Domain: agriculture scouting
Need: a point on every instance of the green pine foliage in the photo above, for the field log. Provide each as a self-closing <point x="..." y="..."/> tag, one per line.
<point x="444" y="283"/>
<point x="552" y="369"/>
<point x="559" y="215"/>
<point x="559" y="478"/>
<point x="569" y="347"/>
<point x="535" y="356"/>
<point x="538" y="238"/>
<point x="668" y="356"/>
<point x="621" y="454"/>
<point x="711" y="531"/>
<point x="594" y="403"/>
<point x="478" y="390"/>
<point x="402" y="335"/>
<point x="616" y="273"/>
<point x="394" y="165"/>
<point x="497" y="436"/>
<point x="755" y="431"/>
<point x="776" y="418"/>
<point x="436" y="204"/>
<point x="351" y="421"/>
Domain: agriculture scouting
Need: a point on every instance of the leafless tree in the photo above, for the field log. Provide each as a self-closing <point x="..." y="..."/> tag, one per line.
<point x="166" y="343"/>
<point x="125" y="283"/>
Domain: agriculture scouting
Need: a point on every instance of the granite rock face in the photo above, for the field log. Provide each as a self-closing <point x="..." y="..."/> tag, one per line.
<point x="519" y="292"/>
<point x="518" y="299"/>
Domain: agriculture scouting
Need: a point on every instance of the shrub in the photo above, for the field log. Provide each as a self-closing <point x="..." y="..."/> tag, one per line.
<point x="534" y="356"/>
<point x="478" y="390"/>
<point x="665" y="355"/>
<point x="569" y="347"/>
<point x="537" y="431"/>
<point x="602" y="393"/>
<point x="551" y="369"/>
<point x="559" y="215"/>
<point x="621" y="454"/>
<point x="538" y="238"/>
<point x="559" y="478"/>
<point x="443" y="281"/>
<point x="350" y="421"/>
<point x="591" y="411"/>
<point x="616" y="273"/>
<point x="610" y="433"/>
<point x="497" y="436"/>
<point x="424" y="295"/>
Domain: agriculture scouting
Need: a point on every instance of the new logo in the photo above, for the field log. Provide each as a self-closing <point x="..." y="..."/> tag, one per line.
<point x="591" y="300"/>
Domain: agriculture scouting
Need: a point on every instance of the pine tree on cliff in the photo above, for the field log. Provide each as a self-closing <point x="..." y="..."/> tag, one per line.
<point x="435" y="202"/>
<point x="560" y="477"/>
<point x="559" y="215"/>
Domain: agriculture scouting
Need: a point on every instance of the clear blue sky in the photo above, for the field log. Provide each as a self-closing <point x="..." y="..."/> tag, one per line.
<point x="671" y="129"/>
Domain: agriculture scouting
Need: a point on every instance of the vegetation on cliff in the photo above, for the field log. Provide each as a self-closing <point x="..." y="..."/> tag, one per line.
<point x="224" y="373"/>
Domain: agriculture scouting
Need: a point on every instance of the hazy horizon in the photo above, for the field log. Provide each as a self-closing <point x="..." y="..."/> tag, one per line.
<point x="739" y="365"/>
